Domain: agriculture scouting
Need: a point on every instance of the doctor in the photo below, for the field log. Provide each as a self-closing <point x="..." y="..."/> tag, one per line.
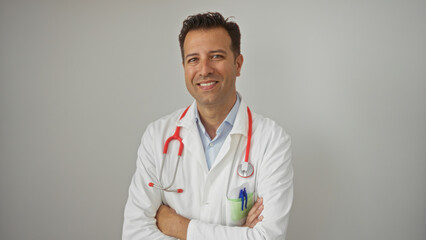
<point x="215" y="201"/>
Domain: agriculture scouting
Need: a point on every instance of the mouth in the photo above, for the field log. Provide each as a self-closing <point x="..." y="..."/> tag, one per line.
<point x="207" y="85"/>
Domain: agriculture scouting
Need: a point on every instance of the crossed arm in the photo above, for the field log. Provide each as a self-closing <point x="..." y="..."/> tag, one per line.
<point x="146" y="218"/>
<point x="172" y="224"/>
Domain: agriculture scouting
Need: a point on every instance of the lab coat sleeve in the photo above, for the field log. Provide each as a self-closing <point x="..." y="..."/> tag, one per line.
<point x="274" y="184"/>
<point x="143" y="202"/>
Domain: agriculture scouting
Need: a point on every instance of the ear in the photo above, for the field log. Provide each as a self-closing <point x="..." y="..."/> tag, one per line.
<point x="239" y="62"/>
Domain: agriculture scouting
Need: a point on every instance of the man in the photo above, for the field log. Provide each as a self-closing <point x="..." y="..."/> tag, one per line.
<point x="210" y="198"/>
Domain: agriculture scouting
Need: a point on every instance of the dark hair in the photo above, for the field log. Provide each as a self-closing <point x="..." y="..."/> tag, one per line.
<point x="211" y="20"/>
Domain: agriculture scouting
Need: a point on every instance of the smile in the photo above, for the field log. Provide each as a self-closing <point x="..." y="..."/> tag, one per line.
<point x="207" y="84"/>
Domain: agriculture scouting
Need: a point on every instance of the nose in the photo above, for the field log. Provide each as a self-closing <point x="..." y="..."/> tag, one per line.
<point x="205" y="68"/>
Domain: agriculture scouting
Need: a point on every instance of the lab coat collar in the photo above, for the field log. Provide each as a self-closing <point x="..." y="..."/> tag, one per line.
<point x="240" y="124"/>
<point x="189" y="118"/>
<point x="191" y="137"/>
<point x="241" y="121"/>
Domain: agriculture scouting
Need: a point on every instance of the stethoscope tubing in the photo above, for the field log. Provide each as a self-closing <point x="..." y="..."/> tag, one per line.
<point x="250" y="125"/>
<point x="177" y="137"/>
<point x="244" y="170"/>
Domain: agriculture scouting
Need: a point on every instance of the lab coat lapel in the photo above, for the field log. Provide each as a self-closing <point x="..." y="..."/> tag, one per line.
<point x="241" y="121"/>
<point x="240" y="128"/>
<point x="193" y="148"/>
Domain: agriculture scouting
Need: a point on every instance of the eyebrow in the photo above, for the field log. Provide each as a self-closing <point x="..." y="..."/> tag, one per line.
<point x="218" y="51"/>
<point x="190" y="55"/>
<point x="210" y="52"/>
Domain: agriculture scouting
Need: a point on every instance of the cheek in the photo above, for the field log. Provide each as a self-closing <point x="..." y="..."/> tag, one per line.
<point x="189" y="75"/>
<point x="188" y="80"/>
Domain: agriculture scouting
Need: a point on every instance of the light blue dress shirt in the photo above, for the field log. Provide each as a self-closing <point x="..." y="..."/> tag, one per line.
<point x="212" y="147"/>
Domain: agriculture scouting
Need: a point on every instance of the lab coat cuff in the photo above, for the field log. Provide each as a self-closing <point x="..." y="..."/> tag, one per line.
<point x="193" y="230"/>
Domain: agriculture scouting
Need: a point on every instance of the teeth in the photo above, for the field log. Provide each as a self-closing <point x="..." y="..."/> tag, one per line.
<point x="207" y="84"/>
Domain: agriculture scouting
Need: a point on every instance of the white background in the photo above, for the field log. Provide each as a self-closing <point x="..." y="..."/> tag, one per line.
<point x="80" y="81"/>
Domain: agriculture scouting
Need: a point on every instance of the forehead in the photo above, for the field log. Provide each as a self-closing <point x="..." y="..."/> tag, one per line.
<point x="207" y="39"/>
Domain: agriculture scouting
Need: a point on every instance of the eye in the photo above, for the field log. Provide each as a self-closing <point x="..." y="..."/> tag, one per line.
<point x="191" y="60"/>
<point x="217" y="56"/>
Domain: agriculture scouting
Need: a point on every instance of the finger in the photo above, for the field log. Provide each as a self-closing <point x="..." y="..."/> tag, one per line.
<point x="257" y="220"/>
<point x="254" y="214"/>
<point x="258" y="203"/>
<point x="258" y="211"/>
<point x="251" y="216"/>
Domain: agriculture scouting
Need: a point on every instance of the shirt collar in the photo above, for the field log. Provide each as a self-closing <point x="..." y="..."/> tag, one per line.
<point x="240" y="123"/>
<point x="230" y="118"/>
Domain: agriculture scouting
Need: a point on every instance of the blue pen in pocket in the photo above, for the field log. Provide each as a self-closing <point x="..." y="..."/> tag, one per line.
<point x="244" y="198"/>
<point x="245" y="195"/>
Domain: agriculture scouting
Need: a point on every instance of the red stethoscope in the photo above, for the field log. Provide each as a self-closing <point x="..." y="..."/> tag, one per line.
<point x="244" y="170"/>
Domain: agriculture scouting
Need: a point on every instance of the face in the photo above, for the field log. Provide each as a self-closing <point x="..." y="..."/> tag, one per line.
<point x="210" y="67"/>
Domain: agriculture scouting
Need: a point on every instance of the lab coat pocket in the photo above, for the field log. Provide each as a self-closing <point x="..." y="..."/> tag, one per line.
<point x="237" y="209"/>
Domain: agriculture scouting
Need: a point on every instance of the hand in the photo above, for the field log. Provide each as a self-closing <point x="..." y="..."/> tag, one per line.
<point x="253" y="216"/>
<point x="171" y="223"/>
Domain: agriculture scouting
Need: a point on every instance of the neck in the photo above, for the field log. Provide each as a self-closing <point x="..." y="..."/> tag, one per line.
<point x="213" y="116"/>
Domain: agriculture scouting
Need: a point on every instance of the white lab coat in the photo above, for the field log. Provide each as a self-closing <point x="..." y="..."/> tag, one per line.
<point x="206" y="194"/>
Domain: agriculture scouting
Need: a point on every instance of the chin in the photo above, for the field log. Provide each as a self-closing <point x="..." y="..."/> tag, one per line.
<point x="207" y="101"/>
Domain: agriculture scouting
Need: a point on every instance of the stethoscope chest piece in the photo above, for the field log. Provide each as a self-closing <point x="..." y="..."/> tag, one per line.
<point x="245" y="169"/>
